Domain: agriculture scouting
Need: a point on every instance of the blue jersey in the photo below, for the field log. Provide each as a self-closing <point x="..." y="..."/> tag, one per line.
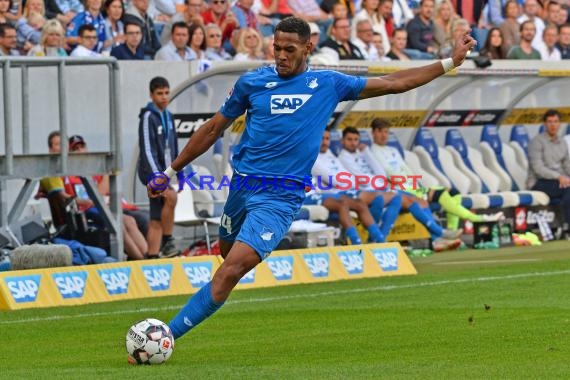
<point x="285" y="119"/>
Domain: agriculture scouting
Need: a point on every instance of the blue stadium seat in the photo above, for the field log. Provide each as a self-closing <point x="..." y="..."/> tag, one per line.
<point x="519" y="135"/>
<point x="336" y="143"/>
<point x="490" y="135"/>
<point x="454" y="139"/>
<point x="568" y="129"/>
<point x="365" y="137"/>
<point x="541" y="128"/>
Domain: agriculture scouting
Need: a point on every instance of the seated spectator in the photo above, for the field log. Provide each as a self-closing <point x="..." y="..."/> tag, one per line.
<point x="132" y="48"/>
<point x="563" y="16"/>
<point x="510" y="28"/>
<point x="91" y="16"/>
<point x="525" y="50"/>
<point x="87" y="42"/>
<point x="532" y="10"/>
<point x="459" y="28"/>
<point x="359" y="161"/>
<point x="14" y="11"/>
<point x="63" y="10"/>
<point x="8" y="40"/>
<point x="310" y="11"/>
<point x="114" y="26"/>
<point x="442" y="21"/>
<point x="245" y="16"/>
<point x="549" y="164"/>
<point x="338" y="44"/>
<point x="197" y="41"/>
<point x="270" y="13"/>
<point x="369" y="12"/>
<point x="401" y="13"/>
<point x="378" y="42"/>
<point x="421" y="29"/>
<point x="5" y="12"/>
<point x="177" y="48"/>
<point x="363" y="40"/>
<point x="28" y="27"/>
<point x="564" y="41"/>
<point x="315" y="36"/>
<point x="552" y="13"/>
<point x="399" y="40"/>
<point x="339" y="8"/>
<point x="547" y="48"/>
<point x="137" y="13"/>
<point x="219" y="13"/>
<point x="214" y="49"/>
<point x="250" y="46"/>
<point x="52" y="41"/>
<point x="191" y="15"/>
<point x="494" y="47"/>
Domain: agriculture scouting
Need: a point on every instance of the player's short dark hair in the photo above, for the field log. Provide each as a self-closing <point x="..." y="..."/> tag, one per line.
<point x="348" y="130"/>
<point x="380" y="123"/>
<point x="158" y="82"/>
<point x="85" y="28"/>
<point x="179" y="24"/>
<point x="295" y="25"/>
<point x="51" y="136"/>
<point x="551" y="112"/>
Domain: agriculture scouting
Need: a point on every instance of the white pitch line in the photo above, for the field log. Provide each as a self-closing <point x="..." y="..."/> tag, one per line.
<point x="486" y="261"/>
<point x="298" y="296"/>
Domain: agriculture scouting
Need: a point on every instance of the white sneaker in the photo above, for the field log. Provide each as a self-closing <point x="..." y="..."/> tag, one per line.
<point x="494" y="218"/>
<point x="451" y="234"/>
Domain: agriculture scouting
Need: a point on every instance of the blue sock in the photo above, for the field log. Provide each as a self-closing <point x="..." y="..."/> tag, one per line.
<point x="425" y="217"/>
<point x="353" y="235"/>
<point x="390" y="215"/>
<point x="199" y="307"/>
<point x="376" y="208"/>
<point x="374" y="234"/>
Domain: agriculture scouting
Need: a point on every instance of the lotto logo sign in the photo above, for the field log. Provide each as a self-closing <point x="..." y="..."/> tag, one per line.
<point x="352" y="261"/>
<point x="387" y="258"/>
<point x="158" y="276"/>
<point x="70" y="284"/>
<point x="318" y="264"/>
<point x="249" y="277"/>
<point x="199" y="274"/>
<point x="24" y="288"/>
<point x="287" y="104"/>
<point x="116" y="280"/>
<point x="281" y="267"/>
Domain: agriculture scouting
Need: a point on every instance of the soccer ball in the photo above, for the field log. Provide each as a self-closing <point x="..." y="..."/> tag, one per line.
<point x="149" y="341"/>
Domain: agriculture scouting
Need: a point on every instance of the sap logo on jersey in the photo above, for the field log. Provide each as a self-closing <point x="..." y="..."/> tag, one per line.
<point x="286" y="104"/>
<point x="318" y="264"/>
<point x="24" y="288"/>
<point x="116" y="280"/>
<point x="249" y="277"/>
<point x="199" y="274"/>
<point x="281" y="267"/>
<point x="70" y="284"/>
<point x="352" y="260"/>
<point x="158" y="276"/>
<point x="387" y="258"/>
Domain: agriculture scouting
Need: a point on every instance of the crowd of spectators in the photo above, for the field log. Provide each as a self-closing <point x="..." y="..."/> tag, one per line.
<point x="241" y="30"/>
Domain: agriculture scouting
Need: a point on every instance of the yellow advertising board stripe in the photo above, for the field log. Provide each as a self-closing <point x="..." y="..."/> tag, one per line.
<point x="534" y="115"/>
<point x="408" y="228"/>
<point x="167" y="277"/>
<point x="397" y="119"/>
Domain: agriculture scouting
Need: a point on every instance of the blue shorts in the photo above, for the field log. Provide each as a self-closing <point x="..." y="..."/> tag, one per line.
<point x="258" y="215"/>
<point x="317" y="199"/>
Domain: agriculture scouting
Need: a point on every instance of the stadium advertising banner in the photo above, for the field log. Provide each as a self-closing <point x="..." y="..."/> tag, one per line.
<point x="167" y="277"/>
<point x="397" y="119"/>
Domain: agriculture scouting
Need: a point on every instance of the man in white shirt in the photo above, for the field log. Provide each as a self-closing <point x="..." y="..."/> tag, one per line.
<point x="87" y="42"/>
<point x="360" y="162"/>
<point x="531" y="12"/>
<point x="177" y="48"/>
<point x="394" y="165"/>
<point x="547" y="48"/>
<point x="363" y="40"/>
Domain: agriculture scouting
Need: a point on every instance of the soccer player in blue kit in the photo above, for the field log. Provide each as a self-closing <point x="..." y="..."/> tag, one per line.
<point x="288" y="106"/>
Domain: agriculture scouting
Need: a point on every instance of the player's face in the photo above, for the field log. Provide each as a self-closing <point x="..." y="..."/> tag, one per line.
<point x="350" y="142"/>
<point x="160" y="97"/>
<point x="325" y="142"/>
<point x="380" y="136"/>
<point x="290" y="53"/>
<point x="552" y="125"/>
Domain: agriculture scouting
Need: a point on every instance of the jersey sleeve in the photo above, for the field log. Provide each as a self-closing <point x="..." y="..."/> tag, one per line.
<point x="348" y="87"/>
<point x="238" y="101"/>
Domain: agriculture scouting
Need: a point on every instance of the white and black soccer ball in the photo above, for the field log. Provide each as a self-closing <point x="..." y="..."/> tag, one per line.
<point x="149" y="341"/>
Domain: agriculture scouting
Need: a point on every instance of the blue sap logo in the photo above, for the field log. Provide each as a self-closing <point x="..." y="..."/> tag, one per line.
<point x="284" y="104"/>
<point x="249" y="277"/>
<point x="116" y="280"/>
<point x="158" y="276"/>
<point x="353" y="261"/>
<point x="387" y="258"/>
<point x="199" y="274"/>
<point x="70" y="284"/>
<point x="281" y="267"/>
<point x="318" y="264"/>
<point x="24" y="288"/>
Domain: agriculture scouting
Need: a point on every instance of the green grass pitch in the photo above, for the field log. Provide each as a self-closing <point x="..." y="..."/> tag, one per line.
<point x="501" y="314"/>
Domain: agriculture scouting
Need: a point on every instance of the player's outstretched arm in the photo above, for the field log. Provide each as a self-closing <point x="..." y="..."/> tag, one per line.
<point x="405" y="80"/>
<point x="202" y="140"/>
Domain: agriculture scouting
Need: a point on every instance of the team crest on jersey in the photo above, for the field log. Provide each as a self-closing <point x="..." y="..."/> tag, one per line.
<point x="312" y="82"/>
